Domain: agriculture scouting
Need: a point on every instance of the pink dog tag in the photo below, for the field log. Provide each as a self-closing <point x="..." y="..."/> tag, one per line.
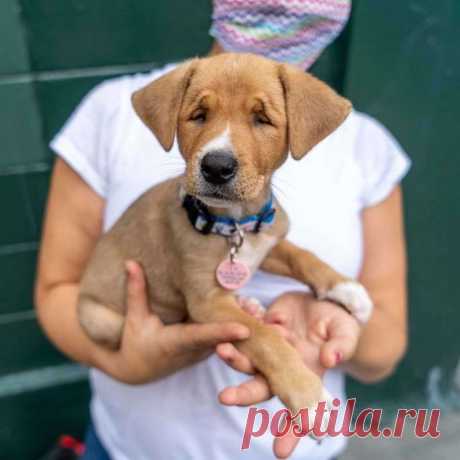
<point x="232" y="274"/>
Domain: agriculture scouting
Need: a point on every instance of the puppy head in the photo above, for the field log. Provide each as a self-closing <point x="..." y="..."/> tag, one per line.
<point x="236" y="117"/>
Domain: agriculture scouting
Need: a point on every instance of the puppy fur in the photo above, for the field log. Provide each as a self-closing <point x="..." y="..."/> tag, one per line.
<point x="259" y="111"/>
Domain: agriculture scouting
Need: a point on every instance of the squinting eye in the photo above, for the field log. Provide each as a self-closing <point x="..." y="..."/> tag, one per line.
<point x="261" y="119"/>
<point x="199" y="116"/>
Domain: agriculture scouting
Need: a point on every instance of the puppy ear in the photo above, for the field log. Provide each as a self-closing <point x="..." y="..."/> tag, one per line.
<point x="313" y="109"/>
<point x="158" y="103"/>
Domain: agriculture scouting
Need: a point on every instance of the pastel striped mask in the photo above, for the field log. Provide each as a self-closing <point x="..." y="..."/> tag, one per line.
<point x="293" y="31"/>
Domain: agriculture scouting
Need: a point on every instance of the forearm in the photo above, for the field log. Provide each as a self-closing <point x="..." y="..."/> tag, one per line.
<point x="57" y="314"/>
<point x="149" y="350"/>
<point x="381" y="346"/>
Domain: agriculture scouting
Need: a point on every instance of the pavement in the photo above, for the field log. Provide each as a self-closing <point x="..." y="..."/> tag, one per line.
<point x="446" y="447"/>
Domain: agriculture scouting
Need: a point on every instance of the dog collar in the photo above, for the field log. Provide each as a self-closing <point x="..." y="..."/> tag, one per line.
<point x="205" y="222"/>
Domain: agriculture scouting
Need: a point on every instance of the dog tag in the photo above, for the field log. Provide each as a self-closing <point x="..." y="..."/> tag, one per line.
<point x="232" y="275"/>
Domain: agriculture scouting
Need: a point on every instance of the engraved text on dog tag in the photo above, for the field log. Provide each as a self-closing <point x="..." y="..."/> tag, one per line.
<point x="232" y="275"/>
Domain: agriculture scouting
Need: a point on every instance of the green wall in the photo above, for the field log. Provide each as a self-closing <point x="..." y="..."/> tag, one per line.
<point x="396" y="60"/>
<point x="403" y="67"/>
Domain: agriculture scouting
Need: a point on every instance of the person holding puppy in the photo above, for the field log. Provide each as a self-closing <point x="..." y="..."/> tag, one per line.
<point x="155" y="396"/>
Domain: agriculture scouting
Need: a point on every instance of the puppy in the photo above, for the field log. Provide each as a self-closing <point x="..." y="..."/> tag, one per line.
<point x="200" y="236"/>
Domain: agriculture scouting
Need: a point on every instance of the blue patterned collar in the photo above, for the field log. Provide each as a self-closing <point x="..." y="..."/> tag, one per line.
<point x="205" y="222"/>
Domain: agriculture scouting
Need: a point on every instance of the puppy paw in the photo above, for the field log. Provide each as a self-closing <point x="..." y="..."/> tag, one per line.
<point x="311" y="419"/>
<point x="252" y="306"/>
<point x="354" y="297"/>
<point x="325" y="416"/>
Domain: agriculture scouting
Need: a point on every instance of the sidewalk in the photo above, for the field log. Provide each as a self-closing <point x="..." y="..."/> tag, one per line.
<point x="447" y="447"/>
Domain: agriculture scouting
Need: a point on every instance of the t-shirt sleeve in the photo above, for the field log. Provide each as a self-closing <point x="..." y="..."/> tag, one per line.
<point x="381" y="160"/>
<point x="87" y="139"/>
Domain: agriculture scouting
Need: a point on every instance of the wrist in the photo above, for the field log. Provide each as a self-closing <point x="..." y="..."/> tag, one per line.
<point x="111" y="362"/>
<point x="381" y="347"/>
<point x="106" y="361"/>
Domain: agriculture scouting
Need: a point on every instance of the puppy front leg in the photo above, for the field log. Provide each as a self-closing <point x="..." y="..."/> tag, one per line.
<point x="288" y="377"/>
<point x="287" y="259"/>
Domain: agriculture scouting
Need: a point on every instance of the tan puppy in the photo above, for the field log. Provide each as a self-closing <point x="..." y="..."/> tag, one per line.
<point x="236" y="117"/>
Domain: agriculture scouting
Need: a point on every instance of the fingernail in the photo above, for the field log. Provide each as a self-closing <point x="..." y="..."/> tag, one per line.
<point x="338" y="357"/>
<point x="277" y="318"/>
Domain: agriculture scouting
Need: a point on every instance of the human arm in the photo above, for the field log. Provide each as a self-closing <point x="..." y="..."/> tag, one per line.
<point x="326" y="335"/>
<point x="383" y="339"/>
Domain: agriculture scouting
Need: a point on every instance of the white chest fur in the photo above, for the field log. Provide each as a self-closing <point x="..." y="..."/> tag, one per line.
<point x="254" y="249"/>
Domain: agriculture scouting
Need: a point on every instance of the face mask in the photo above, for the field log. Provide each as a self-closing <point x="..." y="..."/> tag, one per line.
<point x="292" y="31"/>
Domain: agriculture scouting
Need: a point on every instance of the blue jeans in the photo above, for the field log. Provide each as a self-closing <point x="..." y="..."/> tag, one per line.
<point x="94" y="450"/>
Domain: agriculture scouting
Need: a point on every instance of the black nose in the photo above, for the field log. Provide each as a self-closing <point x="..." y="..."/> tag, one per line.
<point x="219" y="167"/>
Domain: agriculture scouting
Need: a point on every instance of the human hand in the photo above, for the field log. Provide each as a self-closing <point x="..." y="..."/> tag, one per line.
<point x="324" y="334"/>
<point x="150" y="349"/>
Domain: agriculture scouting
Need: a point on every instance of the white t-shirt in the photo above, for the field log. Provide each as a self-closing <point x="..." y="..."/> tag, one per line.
<point x="179" y="417"/>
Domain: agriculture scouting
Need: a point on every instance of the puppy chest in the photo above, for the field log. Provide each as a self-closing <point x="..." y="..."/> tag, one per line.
<point x="254" y="250"/>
